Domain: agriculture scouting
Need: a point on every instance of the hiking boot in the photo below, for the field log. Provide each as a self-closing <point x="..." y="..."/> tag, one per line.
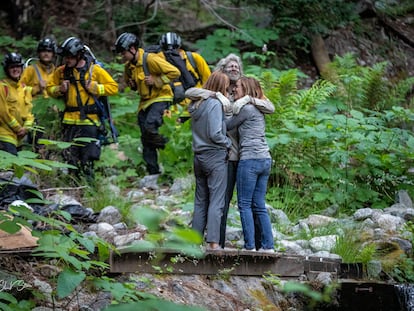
<point x="150" y="182"/>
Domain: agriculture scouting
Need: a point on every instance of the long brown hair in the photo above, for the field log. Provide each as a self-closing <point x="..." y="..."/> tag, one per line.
<point x="217" y="82"/>
<point x="251" y="87"/>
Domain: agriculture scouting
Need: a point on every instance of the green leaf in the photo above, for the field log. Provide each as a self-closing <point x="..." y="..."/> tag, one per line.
<point x="320" y="197"/>
<point x="4" y="307"/>
<point x="7" y="297"/>
<point x="67" y="282"/>
<point x="148" y="217"/>
<point x="103" y="251"/>
<point x="88" y="243"/>
<point x="10" y="226"/>
<point x="187" y="235"/>
<point x="66" y="215"/>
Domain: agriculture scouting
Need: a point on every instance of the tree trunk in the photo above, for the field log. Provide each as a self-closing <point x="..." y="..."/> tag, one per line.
<point x="110" y="34"/>
<point x="320" y="54"/>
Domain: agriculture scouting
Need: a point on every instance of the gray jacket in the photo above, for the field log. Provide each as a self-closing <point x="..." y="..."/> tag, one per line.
<point x="251" y="129"/>
<point x="207" y="124"/>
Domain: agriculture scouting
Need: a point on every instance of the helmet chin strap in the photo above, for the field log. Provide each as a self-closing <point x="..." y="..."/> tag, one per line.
<point x="78" y="59"/>
<point x="134" y="59"/>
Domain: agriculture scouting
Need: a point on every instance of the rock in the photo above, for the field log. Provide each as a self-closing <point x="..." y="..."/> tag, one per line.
<point x="403" y="197"/>
<point x="110" y="215"/>
<point x="362" y="214"/>
<point x="316" y="221"/>
<point x="63" y="199"/>
<point x="122" y="240"/>
<point x="323" y="243"/>
<point x="182" y="184"/>
<point x="150" y="182"/>
<point x="389" y="223"/>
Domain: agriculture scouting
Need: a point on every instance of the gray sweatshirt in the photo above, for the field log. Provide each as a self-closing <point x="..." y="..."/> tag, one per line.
<point x="265" y="106"/>
<point x="251" y="129"/>
<point x="207" y="124"/>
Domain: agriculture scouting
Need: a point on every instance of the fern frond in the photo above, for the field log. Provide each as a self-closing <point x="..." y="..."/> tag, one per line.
<point x="400" y="92"/>
<point x="375" y="87"/>
<point x="288" y="82"/>
<point x="320" y="91"/>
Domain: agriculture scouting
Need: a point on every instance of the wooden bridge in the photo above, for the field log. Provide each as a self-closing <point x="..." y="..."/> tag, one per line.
<point x="230" y="261"/>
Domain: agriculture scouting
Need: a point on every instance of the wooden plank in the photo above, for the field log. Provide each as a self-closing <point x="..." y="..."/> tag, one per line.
<point x="232" y="262"/>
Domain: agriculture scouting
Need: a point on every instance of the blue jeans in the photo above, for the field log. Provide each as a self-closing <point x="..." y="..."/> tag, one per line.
<point x="231" y="182"/>
<point x="252" y="177"/>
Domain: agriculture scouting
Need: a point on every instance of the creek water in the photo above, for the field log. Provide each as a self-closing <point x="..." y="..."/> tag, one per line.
<point x="371" y="296"/>
<point x="405" y="294"/>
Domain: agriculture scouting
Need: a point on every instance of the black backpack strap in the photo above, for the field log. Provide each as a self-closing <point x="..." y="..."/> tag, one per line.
<point x="145" y="64"/>
<point x="68" y="75"/>
<point x="192" y="62"/>
<point x="39" y="76"/>
<point x="145" y="67"/>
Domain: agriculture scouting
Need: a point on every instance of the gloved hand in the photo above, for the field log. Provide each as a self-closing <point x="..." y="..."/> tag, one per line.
<point x="238" y="104"/>
<point x="227" y="108"/>
<point x="158" y="82"/>
<point x="93" y="87"/>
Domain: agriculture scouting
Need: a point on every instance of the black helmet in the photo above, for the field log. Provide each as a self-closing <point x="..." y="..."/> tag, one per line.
<point x="46" y="44"/>
<point x="12" y="59"/>
<point x="72" y="46"/>
<point x="170" y="40"/>
<point x="125" y="41"/>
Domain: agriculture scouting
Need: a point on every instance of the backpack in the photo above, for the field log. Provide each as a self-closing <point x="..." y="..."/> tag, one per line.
<point x="193" y="64"/>
<point x="186" y="79"/>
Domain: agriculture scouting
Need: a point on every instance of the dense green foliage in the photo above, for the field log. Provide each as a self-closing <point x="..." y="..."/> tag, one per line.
<point x="340" y="142"/>
<point x="344" y="141"/>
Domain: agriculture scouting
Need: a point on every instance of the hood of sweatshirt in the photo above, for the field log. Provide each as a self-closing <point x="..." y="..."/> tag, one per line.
<point x="198" y="96"/>
<point x="197" y="108"/>
<point x="196" y="93"/>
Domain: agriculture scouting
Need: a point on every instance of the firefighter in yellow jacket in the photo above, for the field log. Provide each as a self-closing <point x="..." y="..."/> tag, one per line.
<point x="155" y="96"/>
<point x="36" y="74"/>
<point x="39" y="72"/>
<point x="80" y="82"/>
<point x="16" y="116"/>
<point x="198" y="68"/>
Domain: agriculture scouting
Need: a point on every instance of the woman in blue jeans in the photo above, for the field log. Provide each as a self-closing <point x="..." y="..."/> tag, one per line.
<point x="253" y="169"/>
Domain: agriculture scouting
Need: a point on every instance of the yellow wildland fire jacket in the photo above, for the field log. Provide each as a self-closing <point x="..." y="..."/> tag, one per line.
<point x="163" y="73"/>
<point x="15" y="110"/>
<point x="77" y="97"/>
<point x="33" y="74"/>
